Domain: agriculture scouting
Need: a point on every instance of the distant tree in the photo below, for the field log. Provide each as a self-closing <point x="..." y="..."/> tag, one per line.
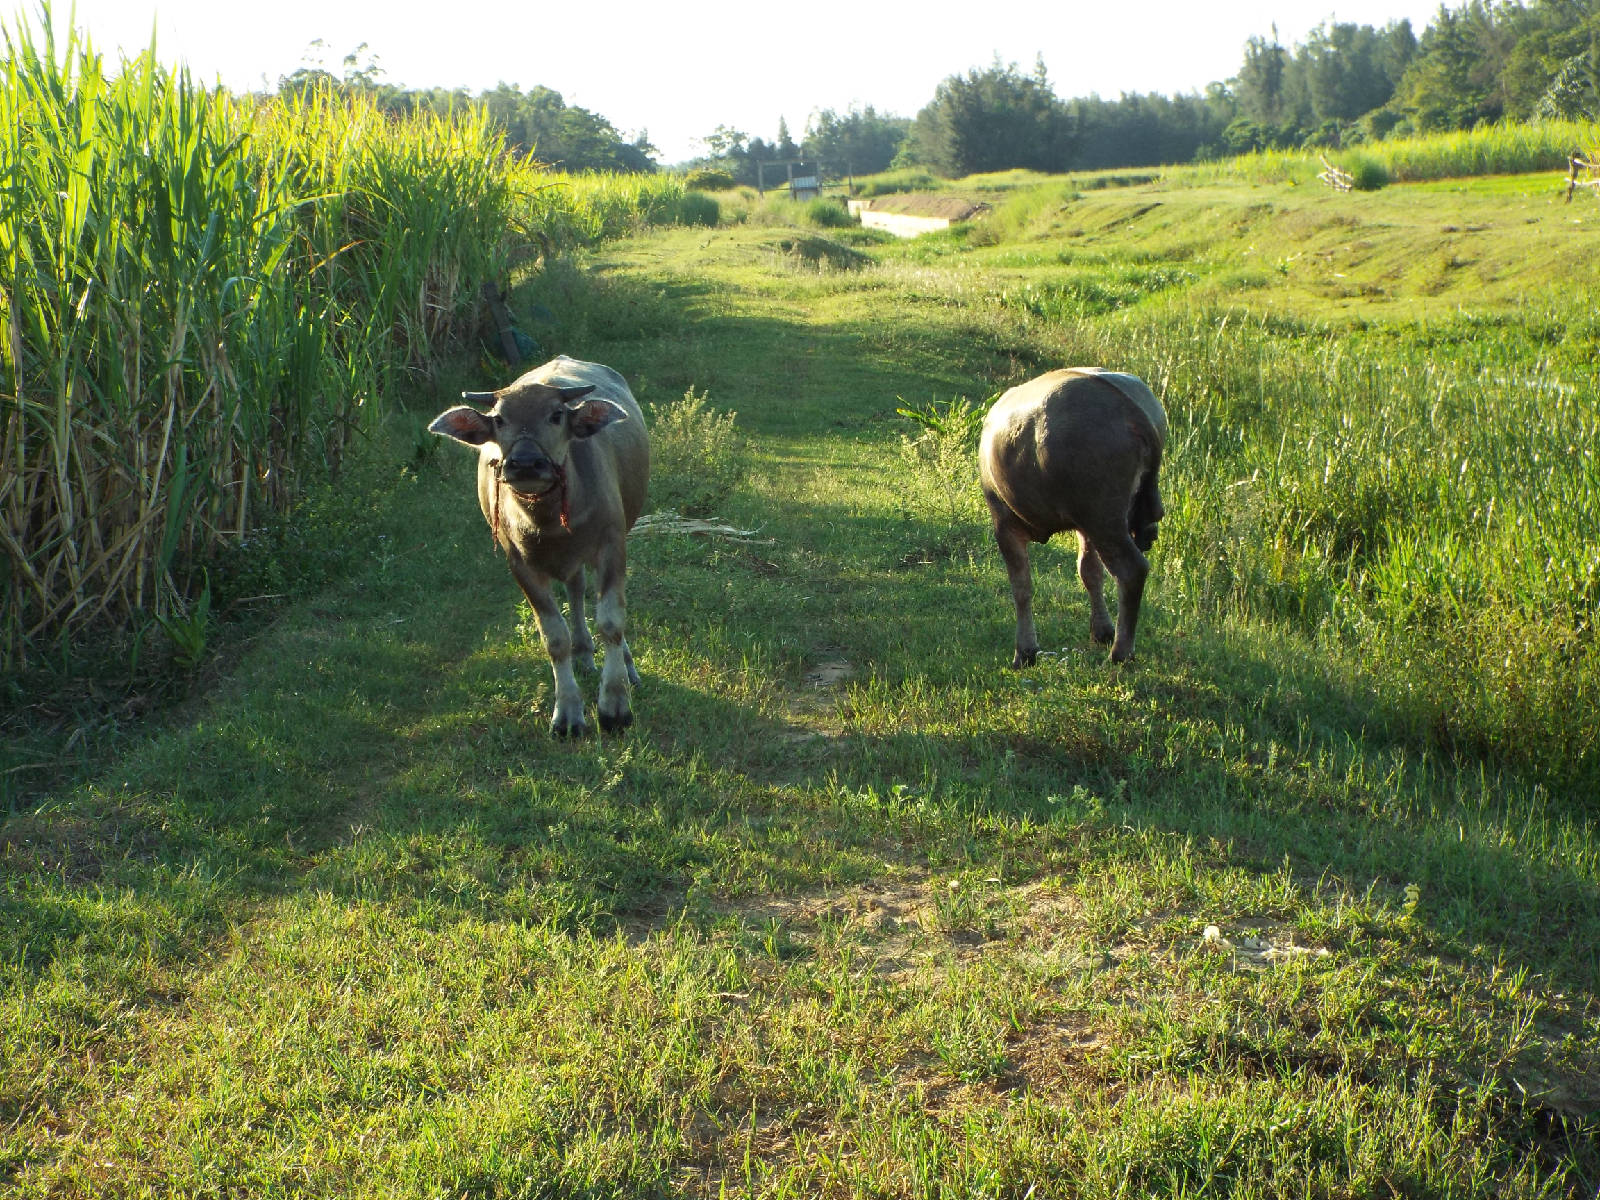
<point x="1554" y="68"/>
<point x="312" y="74"/>
<point x="761" y="151"/>
<point x="993" y="120"/>
<point x="1261" y="85"/>
<point x="1148" y="130"/>
<point x="1399" y="47"/>
<point x="404" y="102"/>
<point x="638" y="157"/>
<point x="1331" y="87"/>
<point x="1345" y="71"/>
<point x="725" y="142"/>
<point x="1454" y="82"/>
<point x="860" y="141"/>
<point x="785" y="149"/>
<point x="540" y="124"/>
<point x="1244" y="136"/>
<point x="359" y="72"/>
<point x="1219" y="107"/>
<point x="1574" y="94"/>
<point x="735" y="152"/>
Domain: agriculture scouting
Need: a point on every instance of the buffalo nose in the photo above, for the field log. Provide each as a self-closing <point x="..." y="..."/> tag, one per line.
<point x="525" y="458"/>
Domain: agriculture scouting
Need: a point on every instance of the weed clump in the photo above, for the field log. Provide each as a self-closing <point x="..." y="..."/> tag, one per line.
<point x="698" y="458"/>
<point x="828" y="214"/>
<point x="821" y="254"/>
<point x="1367" y="174"/>
<point x="941" y="460"/>
<point x="699" y="209"/>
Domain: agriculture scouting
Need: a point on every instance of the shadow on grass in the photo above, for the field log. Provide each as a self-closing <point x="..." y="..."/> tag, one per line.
<point x="387" y="745"/>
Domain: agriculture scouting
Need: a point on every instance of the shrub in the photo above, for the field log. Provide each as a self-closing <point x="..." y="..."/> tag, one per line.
<point x="828" y="214"/>
<point x="1367" y="174"/>
<point x="697" y="208"/>
<point x="697" y="457"/>
<point x="709" y="179"/>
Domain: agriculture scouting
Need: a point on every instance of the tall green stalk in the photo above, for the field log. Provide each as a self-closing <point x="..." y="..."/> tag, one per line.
<point x="204" y="298"/>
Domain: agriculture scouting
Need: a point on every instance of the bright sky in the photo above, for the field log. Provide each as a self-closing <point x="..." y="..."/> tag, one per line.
<point x="678" y="70"/>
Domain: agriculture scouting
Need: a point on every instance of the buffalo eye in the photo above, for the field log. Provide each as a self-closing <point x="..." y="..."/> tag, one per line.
<point x="498" y="419"/>
<point x="555" y="417"/>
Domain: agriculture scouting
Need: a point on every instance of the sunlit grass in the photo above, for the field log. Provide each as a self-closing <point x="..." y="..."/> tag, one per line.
<point x="1507" y="148"/>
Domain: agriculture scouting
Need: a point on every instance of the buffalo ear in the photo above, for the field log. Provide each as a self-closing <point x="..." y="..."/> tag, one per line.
<point x="464" y="424"/>
<point x="589" y="417"/>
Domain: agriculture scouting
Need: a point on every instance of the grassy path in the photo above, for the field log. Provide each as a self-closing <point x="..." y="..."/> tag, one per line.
<point x="852" y="910"/>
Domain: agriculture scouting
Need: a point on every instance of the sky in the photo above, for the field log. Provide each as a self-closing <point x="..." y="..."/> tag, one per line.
<point x="676" y="71"/>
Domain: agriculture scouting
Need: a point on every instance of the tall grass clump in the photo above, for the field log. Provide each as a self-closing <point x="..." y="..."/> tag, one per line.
<point x="409" y="217"/>
<point x="1506" y="148"/>
<point x="941" y="489"/>
<point x="697" y="455"/>
<point x="1029" y="212"/>
<point x="1266" y="168"/>
<point x="828" y="214"/>
<point x="202" y="300"/>
<point x="1427" y="515"/>
<point x="1367" y="174"/>
<point x="573" y="211"/>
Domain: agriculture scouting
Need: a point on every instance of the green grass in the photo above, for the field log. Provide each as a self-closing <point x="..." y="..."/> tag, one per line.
<point x="1496" y="149"/>
<point x="854" y="909"/>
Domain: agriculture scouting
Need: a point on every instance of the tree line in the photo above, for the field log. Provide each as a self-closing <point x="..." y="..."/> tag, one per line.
<point x="1485" y="61"/>
<point x="1344" y="85"/>
<point x="537" y="123"/>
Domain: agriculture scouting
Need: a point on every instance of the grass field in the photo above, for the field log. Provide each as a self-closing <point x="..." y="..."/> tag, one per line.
<point x="1304" y="901"/>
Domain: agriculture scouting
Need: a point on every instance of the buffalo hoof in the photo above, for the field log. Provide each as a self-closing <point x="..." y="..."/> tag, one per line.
<point x="616" y="723"/>
<point x="564" y="729"/>
<point x="1122" y="655"/>
<point x="1025" y="658"/>
<point x="1103" y="635"/>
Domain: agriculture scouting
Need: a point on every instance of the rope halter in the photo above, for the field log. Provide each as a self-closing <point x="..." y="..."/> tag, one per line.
<point x="530" y="498"/>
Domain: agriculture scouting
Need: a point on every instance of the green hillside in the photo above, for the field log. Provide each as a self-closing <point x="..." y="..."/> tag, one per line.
<point x="1402" y="254"/>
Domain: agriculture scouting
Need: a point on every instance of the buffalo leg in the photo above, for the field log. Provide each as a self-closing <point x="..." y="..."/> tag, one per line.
<point x="567" y="718"/>
<point x="1129" y="567"/>
<point x="582" y="640"/>
<point x="1013" y="543"/>
<point x="617" y="673"/>
<point x="1091" y="573"/>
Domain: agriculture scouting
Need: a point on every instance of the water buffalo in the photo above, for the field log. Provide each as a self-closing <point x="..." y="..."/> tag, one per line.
<point x="1078" y="449"/>
<point x="564" y="461"/>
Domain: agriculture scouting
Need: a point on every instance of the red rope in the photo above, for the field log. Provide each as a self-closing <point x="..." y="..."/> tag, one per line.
<point x="495" y="525"/>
